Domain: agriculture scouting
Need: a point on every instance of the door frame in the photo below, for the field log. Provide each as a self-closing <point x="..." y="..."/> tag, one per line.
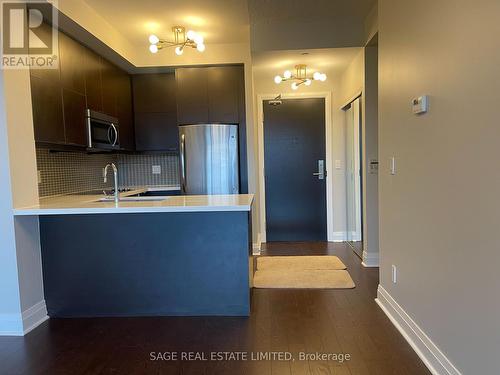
<point x="357" y="235"/>
<point x="329" y="156"/>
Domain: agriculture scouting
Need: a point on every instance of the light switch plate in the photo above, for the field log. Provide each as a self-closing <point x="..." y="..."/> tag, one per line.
<point x="394" y="274"/>
<point x="393" y="165"/>
<point x="156" y="169"/>
<point x="420" y="105"/>
<point x="338" y="164"/>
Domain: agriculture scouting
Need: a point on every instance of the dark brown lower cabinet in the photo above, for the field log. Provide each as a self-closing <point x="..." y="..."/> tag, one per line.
<point x="156" y="132"/>
<point x="47" y="111"/>
<point x="74" y="118"/>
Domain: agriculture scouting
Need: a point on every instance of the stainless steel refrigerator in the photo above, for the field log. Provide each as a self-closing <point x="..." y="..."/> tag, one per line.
<point x="209" y="159"/>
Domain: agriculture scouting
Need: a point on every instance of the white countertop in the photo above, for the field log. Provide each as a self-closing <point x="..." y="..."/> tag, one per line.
<point x="89" y="204"/>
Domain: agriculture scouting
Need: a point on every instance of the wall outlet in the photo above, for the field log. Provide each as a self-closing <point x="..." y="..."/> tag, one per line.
<point x="156" y="169"/>
<point x="39" y="177"/>
<point x="393" y="165"/>
<point x="394" y="274"/>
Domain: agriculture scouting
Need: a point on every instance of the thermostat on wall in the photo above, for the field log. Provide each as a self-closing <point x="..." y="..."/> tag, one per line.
<point x="420" y="104"/>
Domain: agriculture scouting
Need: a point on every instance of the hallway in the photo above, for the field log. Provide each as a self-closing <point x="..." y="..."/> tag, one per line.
<point x="325" y="321"/>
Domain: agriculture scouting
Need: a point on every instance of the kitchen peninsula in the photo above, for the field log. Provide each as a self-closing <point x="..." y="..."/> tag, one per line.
<point x="171" y="256"/>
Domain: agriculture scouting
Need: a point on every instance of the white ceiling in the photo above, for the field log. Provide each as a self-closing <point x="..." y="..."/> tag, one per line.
<point x="219" y="21"/>
<point x="295" y="24"/>
<point x="331" y="60"/>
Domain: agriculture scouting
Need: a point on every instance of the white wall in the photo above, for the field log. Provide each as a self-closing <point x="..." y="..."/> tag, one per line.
<point x="22" y="306"/>
<point x="10" y="304"/>
<point x="439" y="215"/>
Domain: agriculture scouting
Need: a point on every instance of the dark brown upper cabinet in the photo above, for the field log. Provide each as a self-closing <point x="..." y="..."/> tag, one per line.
<point x="124" y="111"/>
<point x="155" y="112"/>
<point x="44" y="31"/>
<point x="93" y="83"/>
<point x="208" y="95"/>
<point x="47" y="110"/>
<point x="83" y="80"/>
<point x="223" y="88"/>
<point x="154" y="93"/>
<point x="72" y="55"/>
<point x="74" y="118"/>
<point x="192" y="95"/>
<point x="109" y="77"/>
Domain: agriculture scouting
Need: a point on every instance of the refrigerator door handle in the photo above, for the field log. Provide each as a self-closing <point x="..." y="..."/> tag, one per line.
<point x="183" y="163"/>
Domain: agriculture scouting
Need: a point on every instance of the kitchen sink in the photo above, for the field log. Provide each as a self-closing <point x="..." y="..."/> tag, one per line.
<point x="134" y="199"/>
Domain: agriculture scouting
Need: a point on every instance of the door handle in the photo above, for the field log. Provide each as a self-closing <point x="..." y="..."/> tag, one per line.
<point x="321" y="170"/>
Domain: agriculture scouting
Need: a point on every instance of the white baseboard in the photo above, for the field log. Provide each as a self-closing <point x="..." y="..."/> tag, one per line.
<point x="370" y="259"/>
<point x="338" y="237"/>
<point x="23" y="323"/>
<point x="256" y="246"/>
<point x="34" y="316"/>
<point x="429" y="353"/>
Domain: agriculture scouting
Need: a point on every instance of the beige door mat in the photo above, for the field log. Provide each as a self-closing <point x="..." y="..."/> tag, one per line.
<point x="303" y="279"/>
<point x="319" y="262"/>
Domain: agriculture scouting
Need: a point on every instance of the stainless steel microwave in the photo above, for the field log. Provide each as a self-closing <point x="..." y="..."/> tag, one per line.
<point x="103" y="131"/>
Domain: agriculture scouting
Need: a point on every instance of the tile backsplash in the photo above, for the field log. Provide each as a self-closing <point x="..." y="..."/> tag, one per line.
<point x="70" y="172"/>
<point x="137" y="169"/>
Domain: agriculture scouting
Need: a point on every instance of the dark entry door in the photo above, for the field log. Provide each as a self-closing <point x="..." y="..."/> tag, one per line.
<point x="294" y="145"/>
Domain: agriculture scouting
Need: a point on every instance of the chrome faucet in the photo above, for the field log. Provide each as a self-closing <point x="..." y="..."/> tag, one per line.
<point x="115" y="174"/>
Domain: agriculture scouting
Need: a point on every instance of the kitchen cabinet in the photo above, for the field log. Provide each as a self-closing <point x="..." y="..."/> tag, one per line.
<point x="71" y="56"/>
<point x="83" y="80"/>
<point x="93" y="84"/>
<point x="109" y="79"/>
<point x="154" y="93"/>
<point x="223" y="89"/>
<point x="208" y="95"/>
<point x="192" y="95"/>
<point x="124" y="111"/>
<point x="156" y="132"/>
<point x="47" y="110"/>
<point x="74" y="118"/>
<point x="155" y="112"/>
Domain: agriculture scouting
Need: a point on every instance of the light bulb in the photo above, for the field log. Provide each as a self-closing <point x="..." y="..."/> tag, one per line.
<point x="287" y="74"/>
<point x="179" y="51"/>
<point x="323" y="77"/>
<point x="200" y="47"/>
<point x="191" y="34"/>
<point x="278" y="80"/>
<point x="153" y="39"/>
<point x="295" y="86"/>
<point x="153" y="48"/>
<point x="198" y="39"/>
<point x="308" y="82"/>
<point x="317" y="76"/>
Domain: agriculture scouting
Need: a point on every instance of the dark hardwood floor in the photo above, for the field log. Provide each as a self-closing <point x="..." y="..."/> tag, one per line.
<point x="326" y="321"/>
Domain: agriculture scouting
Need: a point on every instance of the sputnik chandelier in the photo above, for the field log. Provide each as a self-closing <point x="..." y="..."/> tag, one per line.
<point x="181" y="39"/>
<point x="300" y="77"/>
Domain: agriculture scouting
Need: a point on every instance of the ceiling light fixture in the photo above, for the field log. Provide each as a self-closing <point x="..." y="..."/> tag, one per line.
<point x="181" y="39"/>
<point x="300" y="77"/>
